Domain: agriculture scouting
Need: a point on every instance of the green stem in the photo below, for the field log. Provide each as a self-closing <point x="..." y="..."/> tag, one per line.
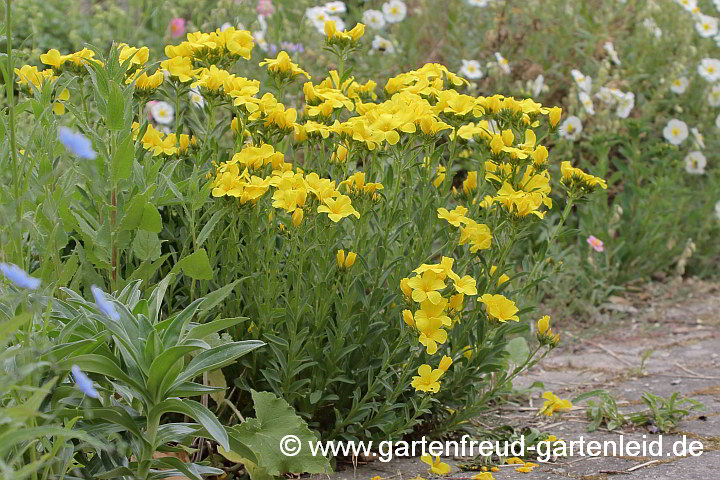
<point x="9" y="86"/>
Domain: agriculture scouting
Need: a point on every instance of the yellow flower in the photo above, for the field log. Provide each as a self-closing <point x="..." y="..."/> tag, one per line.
<point x="445" y="363"/>
<point x="553" y="404"/>
<point x="297" y="216"/>
<point x="405" y="287"/>
<point x="283" y="65"/>
<point x="338" y="208"/>
<point x="483" y="476"/>
<point x="408" y="317"/>
<point x="503" y="278"/>
<point x="179" y="67"/>
<point x="53" y="58"/>
<point x="431" y="332"/>
<point x="427" y="379"/>
<point x="425" y="286"/>
<point x="576" y="178"/>
<point x="439" y="177"/>
<point x="540" y="156"/>
<point x="477" y="234"/>
<point x="515" y="461"/>
<point x="543" y="325"/>
<point x="500" y="308"/>
<point x="437" y="467"/>
<point x="342" y="261"/>
<point x="455" y="217"/>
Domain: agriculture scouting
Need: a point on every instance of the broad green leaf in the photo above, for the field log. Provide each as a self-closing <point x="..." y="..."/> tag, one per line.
<point x="217" y="357"/>
<point x="179" y="323"/>
<point x="518" y="350"/>
<point x="146" y="245"/>
<point x="122" y="159"/>
<point x="203" y="330"/>
<point x="161" y="369"/>
<point x="197" y="265"/>
<point x="156" y="298"/>
<point x="194" y="410"/>
<point x="275" y="419"/>
<point x="116" y="107"/>
<point x="104" y="366"/>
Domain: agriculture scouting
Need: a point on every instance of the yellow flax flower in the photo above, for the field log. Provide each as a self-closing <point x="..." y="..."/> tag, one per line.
<point x="500" y="308"/>
<point x="436" y="466"/>
<point x="283" y="65"/>
<point x="455" y="217"/>
<point x="338" y="208"/>
<point x="427" y="379"/>
<point x="553" y="404"/>
<point x="425" y="286"/>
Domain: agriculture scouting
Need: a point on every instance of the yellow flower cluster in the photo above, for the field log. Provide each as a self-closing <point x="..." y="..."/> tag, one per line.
<point x="427" y="287"/>
<point x="76" y="61"/>
<point x="344" y="262"/>
<point x="427" y="379"/>
<point x="214" y="47"/>
<point x="294" y="192"/>
<point x="478" y="235"/>
<point x="29" y="75"/>
<point x="158" y="143"/>
<point x="554" y="404"/>
<point x="578" y="181"/>
<point x="544" y="332"/>
<point x="335" y="36"/>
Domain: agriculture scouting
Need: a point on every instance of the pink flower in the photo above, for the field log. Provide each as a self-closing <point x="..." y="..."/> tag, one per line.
<point x="596" y="244"/>
<point x="177" y="27"/>
<point x="265" y="7"/>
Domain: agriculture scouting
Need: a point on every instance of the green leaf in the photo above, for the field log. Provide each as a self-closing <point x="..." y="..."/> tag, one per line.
<point x="201" y="331"/>
<point x="208" y="227"/>
<point x="196" y="411"/>
<point x="151" y="220"/>
<point x="275" y="419"/>
<point x="197" y="265"/>
<point x="122" y="160"/>
<point x="190" y="470"/>
<point x="104" y="366"/>
<point x="518" y="350"/>
<point x="217" y="357"/>
<point x="161" y="369"/>
<point x="217" y="379"/>
<point x="146" y="245"/>
<point x="116" y="107"/>
<point x="179" y="323"/>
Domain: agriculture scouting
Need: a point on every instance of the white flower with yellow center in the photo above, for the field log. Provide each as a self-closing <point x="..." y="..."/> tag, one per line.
<point x="373" y="19"/>
<point x="676" y="131"/>
<point x="706" y="25"/>
<point x="571" y="128"/>
<point x="714" y="96"/>
<point x="502" y="63"/>
<point x="625" y="105"/>
<point x="688" y="5"/>
<point x="610" y="49"/>
<point x="334" y="8"/>
<point x="709" y="69"/>
<point x="162" y="112"/>
<point x="695" y="163"/>
<point x="471" y="69"/>
<point x="679" y="85"/>
<point x="395" y="11"/>
<point x="382" y="45"/>
<point x="317" y="15"/>
<point x="583" y="81"/>
<point x="606" y="96"/>
<point x="195" y="98"/>
<point x="587" y="103"/>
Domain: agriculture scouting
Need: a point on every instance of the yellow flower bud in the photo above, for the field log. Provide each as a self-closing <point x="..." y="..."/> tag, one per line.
<point x="497" y="144"/>
<point x="540" y="155"/>
<point x="508" y="137"/>
<point x="340" y="255"/>
<point x="405" y="287"/>
<point x="554" y="116"/>
<point x="445" y="363"/>
<point x="297" y="216"/>
<point x="408" y="317"/>
<point x="543" y="325"/>
<point x="350" y="260"/>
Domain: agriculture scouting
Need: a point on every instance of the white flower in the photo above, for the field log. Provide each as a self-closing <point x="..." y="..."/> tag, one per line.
<point x="709" y="69"/>
<point x="503" y="63"/>
<point x="478" y="3"/>
<point x="259" y="39"/>
<point x="538" y="85"/>
<point x="650" y="24"/>
<point x="585" y="83"/>
<point x="688" y="5"/>
<point x="706" y="25"/>
<point x="698" y="137"/>
<point x="225" y="26"/>
<point x="587" y="103"/>
<point x="263" y="23"/>
<point x="471" y="69"/>
<point x="383" y="45"/>
<point x="717" y="5"/>
<point x="162" y="112"/>
<point x="717" y="121"/>
<point x="610" y="49"/>
<point x="195" y="98"/>
<point x="317" y="15"/>
<point x="395" y="11"/>
<point x="606" y="96"/>
<point x="676" y="131"/>
<point x="333" y="8"/>
<point x="373" y="19"/>
<point x="625" y="105"/>
<point x="695" y="163"/>
<point x="571" y="128"/>
<point x="679" y="85"/>
<point x="717" y="210"/>
<point x="714" y="96"/>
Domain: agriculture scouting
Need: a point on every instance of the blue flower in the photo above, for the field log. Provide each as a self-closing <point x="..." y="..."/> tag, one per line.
<point x="18" y="276"/>
<point x="83" y="382"/>
<point x="77" y="143"/>
<point x="104" y="304"/>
